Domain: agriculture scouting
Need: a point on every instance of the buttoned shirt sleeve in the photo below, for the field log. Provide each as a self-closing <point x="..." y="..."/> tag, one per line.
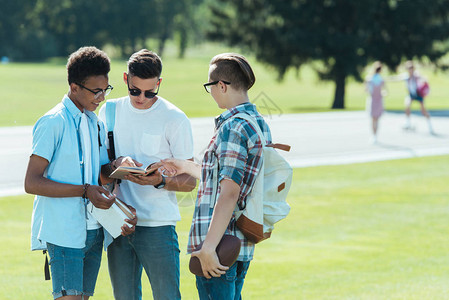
<point x="46" y="137"/>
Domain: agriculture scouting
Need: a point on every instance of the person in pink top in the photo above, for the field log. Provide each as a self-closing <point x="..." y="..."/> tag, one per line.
<point x="374" y="105"/>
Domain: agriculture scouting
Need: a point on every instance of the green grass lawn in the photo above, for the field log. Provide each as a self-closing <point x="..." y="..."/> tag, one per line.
<point x="28" y="90"/>
<point x="363" y="231"/>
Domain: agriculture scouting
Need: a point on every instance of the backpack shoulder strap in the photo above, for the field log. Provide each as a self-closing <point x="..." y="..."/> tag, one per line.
<point x="253" y="122"/>
<point x="110" y="115"/>
<point x="110" y="123"/>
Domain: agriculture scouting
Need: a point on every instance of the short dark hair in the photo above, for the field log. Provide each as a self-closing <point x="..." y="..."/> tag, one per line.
<point x="145" y="64"/>
<point x="234" y="68"/>
<point x="86" y="62"/>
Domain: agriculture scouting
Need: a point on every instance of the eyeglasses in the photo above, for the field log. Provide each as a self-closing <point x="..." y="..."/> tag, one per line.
<point x="99" y="92"/>
<point x="207" y="86"/>
<point x="148" y="94"/>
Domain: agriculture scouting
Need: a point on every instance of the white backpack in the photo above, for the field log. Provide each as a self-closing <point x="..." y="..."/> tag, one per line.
<point x="266" y="203"/>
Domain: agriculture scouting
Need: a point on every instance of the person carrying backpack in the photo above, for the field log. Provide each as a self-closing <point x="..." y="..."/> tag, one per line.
<point x="227" y="175"/>
<point x="414" y="83"/>
<point x="417" y="90"/>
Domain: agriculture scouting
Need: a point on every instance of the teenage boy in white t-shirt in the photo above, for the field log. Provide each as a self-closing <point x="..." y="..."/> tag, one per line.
<point x="148" y="129"/>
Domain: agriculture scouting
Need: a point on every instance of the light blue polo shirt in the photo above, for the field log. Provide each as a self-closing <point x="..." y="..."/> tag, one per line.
<point x="62" y="221"/>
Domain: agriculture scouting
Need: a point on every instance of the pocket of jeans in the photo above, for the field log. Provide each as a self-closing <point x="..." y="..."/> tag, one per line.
<point x="150" y="143"/>
<point x="231" y="273"/>
<point x="50" y="252"/>
<point x="244" y="269"/>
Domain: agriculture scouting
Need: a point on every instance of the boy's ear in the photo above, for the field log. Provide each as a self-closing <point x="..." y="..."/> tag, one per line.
<point x="223" y="86"/>
<point x="74" y="87"/>
<point x="125" y="78"/>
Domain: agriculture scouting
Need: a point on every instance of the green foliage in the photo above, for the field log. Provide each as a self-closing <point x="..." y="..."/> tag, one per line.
<point x="362" y="231"/>
<point x="342" y="34"/>
<point x="33" y="89"/>
<point x="20" y="35"/>
<point x="37" y="29"/>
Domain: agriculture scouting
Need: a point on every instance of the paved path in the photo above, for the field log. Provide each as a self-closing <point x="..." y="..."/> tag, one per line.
<point x="316" y="139"/>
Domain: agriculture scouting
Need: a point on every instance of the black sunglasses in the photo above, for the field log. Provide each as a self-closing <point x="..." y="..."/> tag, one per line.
<point x="208" y="85"/>
<point x="148" y="94"/>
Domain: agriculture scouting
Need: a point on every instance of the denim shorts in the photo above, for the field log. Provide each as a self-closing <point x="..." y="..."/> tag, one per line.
<point x="416" y="97"/>
<point x="74" y="271"/>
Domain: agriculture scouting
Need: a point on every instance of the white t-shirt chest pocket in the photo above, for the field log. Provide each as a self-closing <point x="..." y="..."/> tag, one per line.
<point x="150" y="143"/>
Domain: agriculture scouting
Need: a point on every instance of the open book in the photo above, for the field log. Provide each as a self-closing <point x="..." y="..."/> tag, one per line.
<point x="122" y="171"/>
<point x="113" y="218"/>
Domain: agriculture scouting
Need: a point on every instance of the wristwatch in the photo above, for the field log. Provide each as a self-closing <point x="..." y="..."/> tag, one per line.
<point x="162" y="184"/>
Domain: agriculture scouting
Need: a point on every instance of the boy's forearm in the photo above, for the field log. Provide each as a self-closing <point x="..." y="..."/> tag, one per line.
<point x="193" y="169"/>
<point x="184" y="182"/>
<point x="180" y="183"/>
<point x="49" y="188"/>
<point x="106" y="170"/>
<point x="37" y="184"/>
<point x="223" y="211"/>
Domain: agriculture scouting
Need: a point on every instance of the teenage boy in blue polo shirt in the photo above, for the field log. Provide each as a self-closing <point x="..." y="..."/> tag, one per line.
<point x="63" y="172"/>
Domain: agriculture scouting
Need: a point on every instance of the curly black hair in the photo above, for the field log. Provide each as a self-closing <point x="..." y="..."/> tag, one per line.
<point x="85" y="62"/>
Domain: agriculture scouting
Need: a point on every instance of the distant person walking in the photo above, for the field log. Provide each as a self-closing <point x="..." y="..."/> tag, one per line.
<point x="418" y="89"/>
<point x="374" y="105"/>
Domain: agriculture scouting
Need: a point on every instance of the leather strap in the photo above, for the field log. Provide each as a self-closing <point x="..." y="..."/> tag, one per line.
<point x="46" y="266"/>
<point x="110" y="123"/>
<point x="283" y="147"/>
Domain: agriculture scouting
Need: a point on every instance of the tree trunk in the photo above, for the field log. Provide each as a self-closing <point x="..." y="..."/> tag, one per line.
<point x="339" y="97"/>
<point x="133" y="45"/>
<point x="182" y="42"/>
<point x="162" y="41"/>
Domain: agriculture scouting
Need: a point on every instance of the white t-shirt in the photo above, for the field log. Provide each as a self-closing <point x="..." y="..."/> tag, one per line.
<point x="87" y="161"/>
<point x="149" y="135"/>
<point x="410" y="82"/>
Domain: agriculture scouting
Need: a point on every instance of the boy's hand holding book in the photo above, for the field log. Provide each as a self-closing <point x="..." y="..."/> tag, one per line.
<point x="97" y="195"/>
<point x="118" y="219"/>
<point x="132" y="220"/>
<point x="129" y="166"/>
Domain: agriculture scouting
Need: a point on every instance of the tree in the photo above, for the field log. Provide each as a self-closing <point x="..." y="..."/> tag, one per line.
<point x="344" y="35"/>
<point x="21" y="36"/>
<point x="36" y="29"/>
<point x="73" y="24"/>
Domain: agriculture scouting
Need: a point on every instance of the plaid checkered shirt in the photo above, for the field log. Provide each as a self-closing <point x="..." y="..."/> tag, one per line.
<point x="233" y="153"/>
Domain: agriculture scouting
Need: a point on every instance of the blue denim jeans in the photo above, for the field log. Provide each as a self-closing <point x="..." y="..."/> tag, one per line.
<point x="74" y="271"/>
<point x="154" y="249"/>
<point x="227" y="287"/>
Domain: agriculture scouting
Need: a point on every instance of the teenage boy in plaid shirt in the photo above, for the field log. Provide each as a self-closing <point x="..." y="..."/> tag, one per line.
<point x="237" y="150"/>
